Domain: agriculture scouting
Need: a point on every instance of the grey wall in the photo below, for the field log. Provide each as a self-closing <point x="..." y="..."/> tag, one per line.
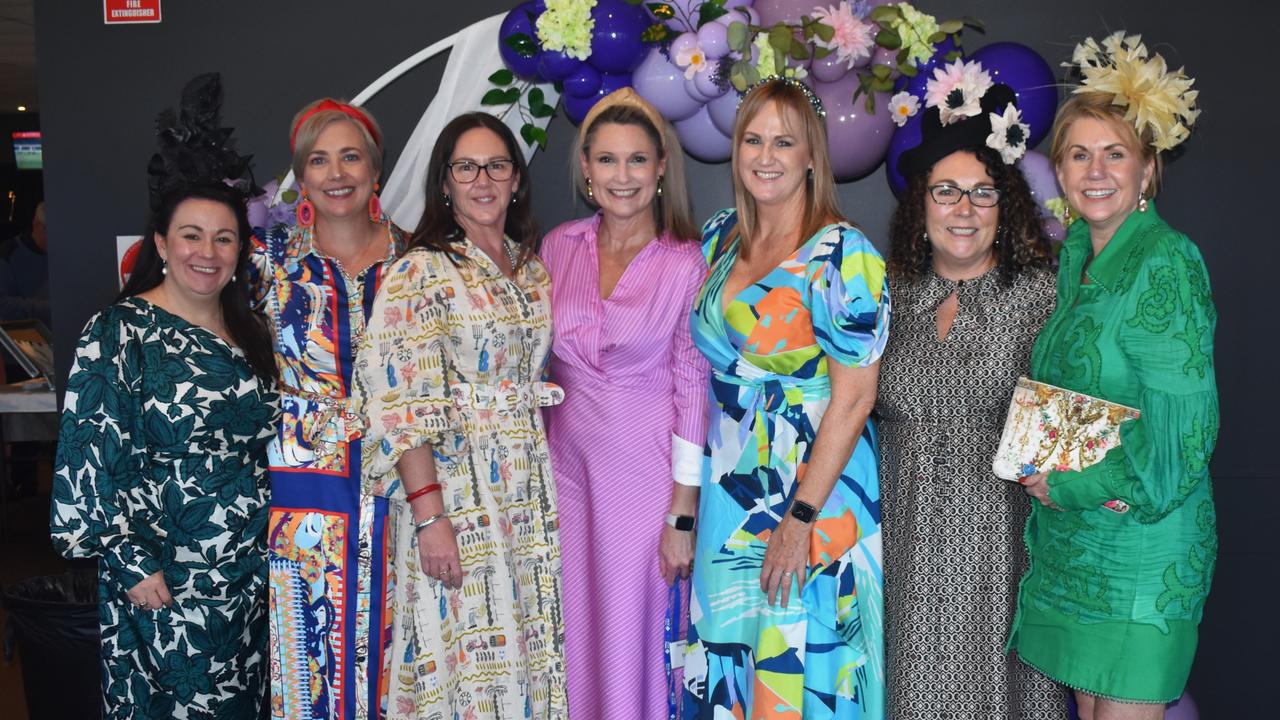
<point x="101" y="87"/>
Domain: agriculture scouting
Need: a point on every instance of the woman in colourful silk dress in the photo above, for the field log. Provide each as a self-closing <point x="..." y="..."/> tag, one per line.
<point x="161" y="468"/>
<point x="316" y="280"/>
<point x="450" y="377"/>
<point x="626" y="445"/>
<point x="785" y="618"/>
<point x="1111" y="603"/>
<point x="972" y="286"/>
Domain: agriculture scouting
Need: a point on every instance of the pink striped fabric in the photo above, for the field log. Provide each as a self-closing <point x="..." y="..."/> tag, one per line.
<point x="631" y="377"/>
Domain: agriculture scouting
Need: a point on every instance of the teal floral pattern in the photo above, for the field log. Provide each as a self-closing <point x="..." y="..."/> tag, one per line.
<point x="161" y="466"/>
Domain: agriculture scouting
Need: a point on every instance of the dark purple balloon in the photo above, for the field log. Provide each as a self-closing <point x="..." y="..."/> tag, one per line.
<point x="556" y="66"/>
<point x="904" y="138"/>
<point x="577" y="108"/>
<point x="616" y="46"/>
<point x="1031" y="78"/>
<point x="517" y="21"/>
<point x="583" y="83"/>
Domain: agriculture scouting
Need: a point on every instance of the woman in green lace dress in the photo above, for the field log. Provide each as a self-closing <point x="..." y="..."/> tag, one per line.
<point x="161" y="469"/>
<point x="1112" y="601"/>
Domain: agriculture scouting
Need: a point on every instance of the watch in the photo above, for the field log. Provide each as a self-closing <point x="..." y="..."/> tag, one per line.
<point x="803" y="511"/>
<point x="683" y="523"/>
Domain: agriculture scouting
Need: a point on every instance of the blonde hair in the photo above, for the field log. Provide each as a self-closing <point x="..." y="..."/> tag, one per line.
<point x="821" y="207"/>
<point x="1099" y="106"/>
<point x="307" y="130"/>
<point x="672" y="208"/>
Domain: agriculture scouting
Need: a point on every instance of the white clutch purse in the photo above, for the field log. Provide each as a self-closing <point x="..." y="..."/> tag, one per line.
<point x="1052" y="428"/>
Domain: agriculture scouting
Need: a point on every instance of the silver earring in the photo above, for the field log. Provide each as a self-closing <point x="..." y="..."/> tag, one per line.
<point x="660" y="185"/>
<point x="514" y="197"/>
<point x="447" y="202"/>
<point x="164" y="266"/>
<point x="233" y="277"/>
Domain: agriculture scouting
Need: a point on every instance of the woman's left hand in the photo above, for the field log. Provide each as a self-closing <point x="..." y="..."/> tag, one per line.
<point x="785" y="559"/>
<point x="675" y="553"/>
<point x="1037" y="486"/>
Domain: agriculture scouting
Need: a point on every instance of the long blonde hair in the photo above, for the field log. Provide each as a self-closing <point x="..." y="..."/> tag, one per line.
<point x="821" y="207"/>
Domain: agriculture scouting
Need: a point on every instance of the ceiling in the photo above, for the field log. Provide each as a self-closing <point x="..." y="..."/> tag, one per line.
<point x="17" y="56"/>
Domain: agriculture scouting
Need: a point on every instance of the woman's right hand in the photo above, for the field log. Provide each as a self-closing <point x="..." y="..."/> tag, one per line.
<point x="151" y="593"/>
<point x="438" y="551"/>
<point x="675" y="553"/>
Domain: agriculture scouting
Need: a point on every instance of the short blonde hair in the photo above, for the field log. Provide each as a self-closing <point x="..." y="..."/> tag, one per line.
<point x="1099" y="106"/>
<point x="307" y="129"/>
<point x="793" y="105"/>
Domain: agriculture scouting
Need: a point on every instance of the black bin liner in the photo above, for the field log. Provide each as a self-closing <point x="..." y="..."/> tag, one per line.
<point x="53" y="620"/>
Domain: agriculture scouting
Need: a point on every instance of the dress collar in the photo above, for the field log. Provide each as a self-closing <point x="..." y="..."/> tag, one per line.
<point x="587" y="229"/>
<point x="932" y="289"/>
<point x="1110" y="270"/>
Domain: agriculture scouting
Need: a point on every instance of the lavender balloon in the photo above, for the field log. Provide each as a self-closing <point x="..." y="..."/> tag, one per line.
<point x="1040" y="175"/>
<point x="517" y="21"/>
<point x="686" y="18"/>
<point x="828" y="69"/>
<point x="858" y="139"/>
<point x="707" y="86"/>
<point x="724" y="110"/>
<point x="1032" y="80"/>
<point x="660" y="82"/>
<point x="616" y="46"/>
<point x="788" y="11"/>
<point x="702" y="139"/>
<point x="714" y="39"/>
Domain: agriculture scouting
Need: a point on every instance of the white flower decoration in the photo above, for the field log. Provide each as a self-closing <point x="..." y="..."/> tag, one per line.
<point x="902" y="107"/>
<point x="692" y="59"/>
<point x="1008" y="134"/>
<point x="957" y="90"/>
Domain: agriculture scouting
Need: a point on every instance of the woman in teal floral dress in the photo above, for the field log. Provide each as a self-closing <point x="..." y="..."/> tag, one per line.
<point x="786" y="607"/>
<point x="161" y="469"/>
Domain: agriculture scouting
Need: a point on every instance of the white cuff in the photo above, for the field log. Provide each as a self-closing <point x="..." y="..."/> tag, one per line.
<point x="686" y="462"/>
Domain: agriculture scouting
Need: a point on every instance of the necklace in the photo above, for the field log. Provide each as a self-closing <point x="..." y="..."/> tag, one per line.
<point x="511" y="256"/>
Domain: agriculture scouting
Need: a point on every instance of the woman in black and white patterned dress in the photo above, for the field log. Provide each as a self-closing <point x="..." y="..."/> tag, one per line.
<point x="971" y="283"/>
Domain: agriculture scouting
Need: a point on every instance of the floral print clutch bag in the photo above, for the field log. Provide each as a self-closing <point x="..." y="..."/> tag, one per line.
<point x="1052" y="428"/>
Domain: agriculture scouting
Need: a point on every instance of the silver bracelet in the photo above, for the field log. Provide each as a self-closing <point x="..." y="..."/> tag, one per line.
<point x="427" y="523"/>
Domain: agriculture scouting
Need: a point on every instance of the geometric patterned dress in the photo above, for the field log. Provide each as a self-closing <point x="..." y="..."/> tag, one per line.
<point x="326" y="539"/>
<point x="953" y="550"/>
<point x="822" y="655"/>
<point x="161" y="466"/>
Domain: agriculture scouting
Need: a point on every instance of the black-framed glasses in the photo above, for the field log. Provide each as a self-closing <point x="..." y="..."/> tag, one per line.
<point x="981" y="196"/>
<point x="466" y="171"/>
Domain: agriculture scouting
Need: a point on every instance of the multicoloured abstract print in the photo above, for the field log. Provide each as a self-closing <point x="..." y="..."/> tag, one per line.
<point x="327" y="592"/>
<point x="821" y="657"/>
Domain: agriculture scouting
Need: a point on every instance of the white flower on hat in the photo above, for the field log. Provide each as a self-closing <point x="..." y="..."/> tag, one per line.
<point x="1008" y="134"/>
<point x="902" y="107"/>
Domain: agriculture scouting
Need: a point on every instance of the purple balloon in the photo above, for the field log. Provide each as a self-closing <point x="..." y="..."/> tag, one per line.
<point x="681" y="43"/>
<point x="517" y="21"/>
<point x="660" y="82"/>
<point x="705" y="82"/>
<point x="555" y="66"/>
<point x="702" y="139"/>
<point x="858" y="138"/>
<point x="1053" y="229"/>
<point x="691" y="88"/>
<point x="828" y="69"/>
<point x="724" y="110"/>
<point x="788" y="11"/>
<point x="1184" y="708"/>
<point x="888" y="58"/>
<point x="904" y="138"/>
<point x="577" y="108"/>
<point x="714" y="39"/>
<point x="583" y="83"/>
<point x="616" y="46"/>
<point x="686" y="18"/>
<point x="1040" y="175"/>
<point x="1031" y="78"/>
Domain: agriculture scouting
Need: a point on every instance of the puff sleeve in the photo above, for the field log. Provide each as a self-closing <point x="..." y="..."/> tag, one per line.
<point x="848" y="296"/>
<point x="401" y="371"/>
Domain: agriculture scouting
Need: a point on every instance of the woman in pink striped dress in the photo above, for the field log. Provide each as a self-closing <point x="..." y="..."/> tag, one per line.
<point x="626" y="444"/>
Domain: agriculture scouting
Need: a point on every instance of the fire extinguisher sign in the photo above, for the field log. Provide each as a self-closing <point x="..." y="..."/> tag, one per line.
<point x="132" y="12"/>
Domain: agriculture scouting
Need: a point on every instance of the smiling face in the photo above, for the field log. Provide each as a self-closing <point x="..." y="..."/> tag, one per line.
<point x="960" y="235"/>
<point x="1102" y="174"/>
<point x="774" y="158"/>
<point x="483" y="202"/>
<point x="338" y="175"/>
<point x="200" y="248"/>
<point x="623" y="164"/>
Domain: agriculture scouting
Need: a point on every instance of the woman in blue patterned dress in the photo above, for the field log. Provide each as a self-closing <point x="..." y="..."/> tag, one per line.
<point x="316" y="281"/>
<point x="161" y="469"/>
<point x="785" y="618"/>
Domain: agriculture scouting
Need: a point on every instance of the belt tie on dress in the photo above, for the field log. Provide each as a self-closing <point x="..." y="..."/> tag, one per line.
<point x="336" y="421"/>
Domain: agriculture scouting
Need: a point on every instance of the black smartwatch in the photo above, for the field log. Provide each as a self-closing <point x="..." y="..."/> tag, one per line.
<point x="803" y="511"/>
<point x="683" y="523"/>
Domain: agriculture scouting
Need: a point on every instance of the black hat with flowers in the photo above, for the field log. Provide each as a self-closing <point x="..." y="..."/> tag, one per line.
<point x="939" y="139"/>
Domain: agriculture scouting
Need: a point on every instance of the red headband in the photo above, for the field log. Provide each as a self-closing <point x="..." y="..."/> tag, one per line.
<point x="351" y="111"/>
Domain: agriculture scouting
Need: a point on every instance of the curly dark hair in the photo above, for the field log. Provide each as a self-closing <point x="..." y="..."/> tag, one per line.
<point x="1020" y="240"/>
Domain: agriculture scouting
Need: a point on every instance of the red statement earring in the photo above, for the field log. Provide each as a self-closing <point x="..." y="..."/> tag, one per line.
<point x="375" y="205"/>
<point x="305" y="211"/>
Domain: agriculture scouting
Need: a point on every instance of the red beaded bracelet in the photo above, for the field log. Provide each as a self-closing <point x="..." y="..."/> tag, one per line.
<point x="422" y="491"/>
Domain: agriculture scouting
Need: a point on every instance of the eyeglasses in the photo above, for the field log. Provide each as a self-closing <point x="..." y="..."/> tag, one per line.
<point x="983" y="196"/>
<point x="466" y="171"/>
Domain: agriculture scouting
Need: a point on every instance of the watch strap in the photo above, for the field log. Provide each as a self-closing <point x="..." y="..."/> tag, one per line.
<point x="683" y="523"/>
